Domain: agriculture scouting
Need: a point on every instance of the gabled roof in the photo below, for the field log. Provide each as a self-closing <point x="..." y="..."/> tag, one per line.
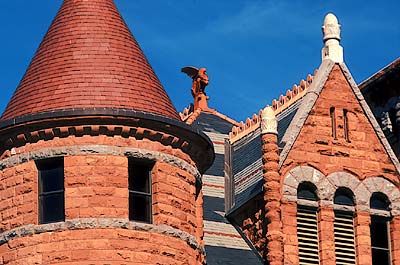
<point x="214" y="123"/>
<point x="393" y="67"/>
<point x="209" y="120"/>
<point x="89" y="59"/>
<point x="285" y="108"/>
<point x="247" y="170"/>
<point x="311" y="97"/>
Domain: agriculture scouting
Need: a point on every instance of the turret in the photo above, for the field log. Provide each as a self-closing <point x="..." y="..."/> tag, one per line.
<point x="96" y="165"/>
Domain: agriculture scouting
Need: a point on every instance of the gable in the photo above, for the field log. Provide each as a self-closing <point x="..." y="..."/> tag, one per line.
<point x="363" y="153"/>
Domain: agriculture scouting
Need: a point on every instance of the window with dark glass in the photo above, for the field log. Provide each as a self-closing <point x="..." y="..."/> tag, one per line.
<point x="307" y="191"/>
<point x="307" y="224"/>
<point x="333" y="121"/>
<point x="140" y="191"/>
<point x="346" y="125"/>
<point x="344" y="196"/>
<point x="51" y="190"/>
<point x="344" y="228"/>
<point x="380" y="230"/>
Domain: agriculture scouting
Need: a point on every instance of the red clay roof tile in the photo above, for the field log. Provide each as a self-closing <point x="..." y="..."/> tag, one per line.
<point x="87" y="59"/>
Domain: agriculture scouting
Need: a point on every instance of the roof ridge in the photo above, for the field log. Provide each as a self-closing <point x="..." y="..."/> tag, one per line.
<point x="302" y="113"/>
<point x="377" y="75"/>
<point x="284" y="102"/>
<point x="189" y="116"/>
<point x="291" y="96"/>
<point x="186" y="113"/>
<point x="245" y="128"/>
<point x="370" y="116"/>
<point x="222" y="116"/>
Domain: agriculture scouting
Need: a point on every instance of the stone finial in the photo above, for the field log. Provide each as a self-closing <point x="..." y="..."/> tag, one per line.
<point x="331" y="31"/>
<point x="269" y="123"/>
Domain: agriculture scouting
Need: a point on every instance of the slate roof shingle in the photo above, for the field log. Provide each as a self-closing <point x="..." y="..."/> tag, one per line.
<point x="89" y="59"/>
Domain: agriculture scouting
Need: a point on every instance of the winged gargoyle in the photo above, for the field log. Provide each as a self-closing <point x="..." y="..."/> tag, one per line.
<point x="200" y="79"/>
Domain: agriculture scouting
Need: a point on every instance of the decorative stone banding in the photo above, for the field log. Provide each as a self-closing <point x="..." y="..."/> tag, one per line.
<point x="100" y="150"/>
<point x="327" y="185"/>
<point x="102" y="223"/>
<point x="110" y="122"/>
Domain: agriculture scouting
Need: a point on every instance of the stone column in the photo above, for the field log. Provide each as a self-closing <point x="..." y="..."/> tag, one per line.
<point x="326" y="219"/>
<point x="289" y="223"/>
<point x="363" y="237"/>
<point x="272" y="187"/>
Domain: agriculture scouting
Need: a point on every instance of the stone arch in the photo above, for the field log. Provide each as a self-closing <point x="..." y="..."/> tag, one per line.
<point x="301" y="174"/>
<point x="344" y="179"/>
<point x="380" y="184"/>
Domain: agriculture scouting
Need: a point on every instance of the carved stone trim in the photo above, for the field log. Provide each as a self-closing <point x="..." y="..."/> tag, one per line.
<point x="138" y="125"/>
<point x="285" y="101"/>
<point x="378" y="184"/>
<point x="305" y="108"/>
<point x="371" y="117"/>
<point x="327" y="185"/>
<point x="99" y="150"/>
<point x="102" y="223"/>
<point x="269" y="123"/>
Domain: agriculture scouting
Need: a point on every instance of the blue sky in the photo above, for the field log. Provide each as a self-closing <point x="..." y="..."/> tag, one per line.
<point x="253" y="50"/>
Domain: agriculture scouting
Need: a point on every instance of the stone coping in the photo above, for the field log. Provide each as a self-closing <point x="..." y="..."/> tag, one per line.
<point x="111" y="122"/>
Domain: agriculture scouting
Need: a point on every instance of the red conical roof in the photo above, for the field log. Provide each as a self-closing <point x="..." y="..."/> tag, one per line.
<point x="89" y="59"/>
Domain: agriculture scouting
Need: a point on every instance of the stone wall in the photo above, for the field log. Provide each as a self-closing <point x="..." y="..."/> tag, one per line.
<point x="250" y="219"/>
<point x="96" y="186"/>
<point x="363" y="155"/>
<point x="99" y="245"/>
<point x="360" y="163"/>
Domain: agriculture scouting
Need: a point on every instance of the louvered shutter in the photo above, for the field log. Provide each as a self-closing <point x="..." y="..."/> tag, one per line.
<point x="307" y="234"/>
<point x="344" y="239"/>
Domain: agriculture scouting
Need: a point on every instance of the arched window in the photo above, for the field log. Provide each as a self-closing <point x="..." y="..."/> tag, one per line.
<point x="344" y="226"/>
<point x="307" y="191"/>
<point x="379" y="201"/>
<point x="380" y="229"/>
<point x="307" y="223"/>
<point x="344" y="196"/>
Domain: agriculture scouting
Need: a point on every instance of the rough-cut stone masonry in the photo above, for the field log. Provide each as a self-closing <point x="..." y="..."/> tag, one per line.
<point x="138" y="153"/>
<point x="100" y="246"/>
<point x="360" y="163"/>
<point x="96" y="186"/>
<point x="363" y="156"/>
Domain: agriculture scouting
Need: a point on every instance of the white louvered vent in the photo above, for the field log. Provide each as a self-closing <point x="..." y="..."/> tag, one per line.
<point x="307" y="234"/>
<point x="344" y="239"/>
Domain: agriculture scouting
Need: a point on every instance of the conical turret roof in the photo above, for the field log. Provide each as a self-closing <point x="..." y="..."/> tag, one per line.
<point x="89" y="59"/>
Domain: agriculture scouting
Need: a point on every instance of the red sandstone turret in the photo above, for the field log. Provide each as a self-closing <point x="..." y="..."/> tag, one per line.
<point x="96" y="166"/>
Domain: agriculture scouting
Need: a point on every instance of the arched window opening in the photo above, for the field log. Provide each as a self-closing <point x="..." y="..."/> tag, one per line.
<point x="307" y="223"/>
<point x="344" y="228"/>
<point x="344" y="196"/>
<point x="307" y="191"/>
<point x="380" y="229"/>
<point x="379" y="201"/>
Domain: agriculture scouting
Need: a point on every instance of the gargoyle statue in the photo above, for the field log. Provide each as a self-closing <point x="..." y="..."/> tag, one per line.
<point x="200" y="79"/>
